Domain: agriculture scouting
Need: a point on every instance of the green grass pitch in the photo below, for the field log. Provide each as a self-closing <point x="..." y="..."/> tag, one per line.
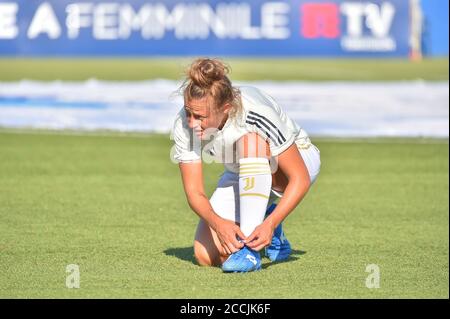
<point x="114" y="205"/>
<point x="49" y="69"/>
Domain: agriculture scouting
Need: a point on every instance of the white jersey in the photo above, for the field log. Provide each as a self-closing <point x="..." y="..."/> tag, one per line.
<point x="260" y="114"/>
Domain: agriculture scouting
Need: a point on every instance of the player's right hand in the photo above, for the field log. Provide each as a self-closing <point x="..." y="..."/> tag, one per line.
<point x="228" y="233"/>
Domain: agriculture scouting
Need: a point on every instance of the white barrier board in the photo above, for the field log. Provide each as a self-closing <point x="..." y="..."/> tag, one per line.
<point x="341" y="109"/>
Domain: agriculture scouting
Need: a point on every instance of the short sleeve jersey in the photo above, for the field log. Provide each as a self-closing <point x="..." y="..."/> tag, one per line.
<point x="260" y="114"/>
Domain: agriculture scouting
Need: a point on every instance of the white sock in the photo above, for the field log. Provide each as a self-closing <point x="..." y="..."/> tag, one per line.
<point x="255" y="182"/>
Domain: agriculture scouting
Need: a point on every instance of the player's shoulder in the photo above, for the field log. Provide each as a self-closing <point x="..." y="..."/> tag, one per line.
<point x="256" y="101"/>
<point x="255" y="96"/>
<point x="180" y="124"/>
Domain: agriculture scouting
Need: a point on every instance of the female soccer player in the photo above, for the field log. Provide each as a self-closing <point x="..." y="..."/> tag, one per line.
<point x="266" y="156"/>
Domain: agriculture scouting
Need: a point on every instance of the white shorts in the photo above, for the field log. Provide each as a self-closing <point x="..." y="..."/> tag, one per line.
<point x="225" y="199"/>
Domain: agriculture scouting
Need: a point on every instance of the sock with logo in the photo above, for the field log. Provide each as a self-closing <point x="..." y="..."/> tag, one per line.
<point x="255" y="181"/>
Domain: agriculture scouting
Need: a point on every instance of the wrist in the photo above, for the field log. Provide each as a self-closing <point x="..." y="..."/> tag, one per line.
<point x="271" y="222"/>
<point x="214" y="221"/>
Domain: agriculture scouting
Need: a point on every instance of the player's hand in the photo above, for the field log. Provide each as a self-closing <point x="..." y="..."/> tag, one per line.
<point x="227" y="232"/>
<point x="261" y="236"/>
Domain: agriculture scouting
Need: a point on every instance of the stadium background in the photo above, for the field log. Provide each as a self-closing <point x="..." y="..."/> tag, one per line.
<point x="86" y="105"/>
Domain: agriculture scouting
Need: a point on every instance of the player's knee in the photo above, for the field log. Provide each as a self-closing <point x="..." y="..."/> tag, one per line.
<point x="201" y="255"/>
<point x="253" y="145"/>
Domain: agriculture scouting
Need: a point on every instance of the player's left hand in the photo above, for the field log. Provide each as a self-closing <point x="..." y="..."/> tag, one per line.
<point x="261" y="236"/>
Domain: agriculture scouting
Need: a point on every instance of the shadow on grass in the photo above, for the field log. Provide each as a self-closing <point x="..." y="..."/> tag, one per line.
<point x="183" y="253"/>
<point x="293" y="257"/>
<point x="187" y="254"/>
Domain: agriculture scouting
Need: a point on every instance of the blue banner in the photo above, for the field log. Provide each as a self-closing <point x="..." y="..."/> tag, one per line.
<point x="373" y="28"/>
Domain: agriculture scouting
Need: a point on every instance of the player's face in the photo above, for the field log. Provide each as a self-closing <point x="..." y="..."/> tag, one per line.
<point x="201" y="116"/>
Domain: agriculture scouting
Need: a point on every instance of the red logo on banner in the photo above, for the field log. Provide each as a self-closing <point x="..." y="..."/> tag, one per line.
<point x="319" y="20"/>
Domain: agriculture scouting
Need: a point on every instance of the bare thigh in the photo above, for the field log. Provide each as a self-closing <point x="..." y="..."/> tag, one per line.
<point x="207" y="248"/>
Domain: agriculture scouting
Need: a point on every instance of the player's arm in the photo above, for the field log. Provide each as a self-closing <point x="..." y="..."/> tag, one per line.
<point x="291" y="164"/>
<point x="192" y="176"/>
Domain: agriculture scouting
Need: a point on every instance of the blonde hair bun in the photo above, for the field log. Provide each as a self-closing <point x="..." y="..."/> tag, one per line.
<point x="204" y="72"/>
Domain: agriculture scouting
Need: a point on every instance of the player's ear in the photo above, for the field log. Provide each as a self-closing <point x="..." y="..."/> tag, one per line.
<point x="227" y="108"/>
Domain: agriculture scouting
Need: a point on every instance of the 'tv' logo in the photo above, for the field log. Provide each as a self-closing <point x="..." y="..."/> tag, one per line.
<point x="378" y="19"/>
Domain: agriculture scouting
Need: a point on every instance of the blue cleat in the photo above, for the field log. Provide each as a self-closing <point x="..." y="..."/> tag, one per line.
<point x="244" y="260"/>
<point x="280" y="248"/>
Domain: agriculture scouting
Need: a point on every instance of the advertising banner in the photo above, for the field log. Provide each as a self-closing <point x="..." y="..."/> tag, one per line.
<point x="309" y="28"/>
